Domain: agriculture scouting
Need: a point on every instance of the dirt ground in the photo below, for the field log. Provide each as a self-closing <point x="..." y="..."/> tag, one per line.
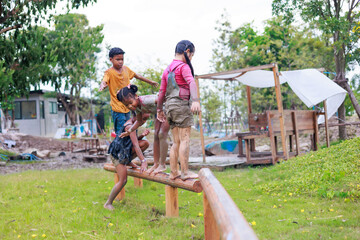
<point x="69" y="160"/>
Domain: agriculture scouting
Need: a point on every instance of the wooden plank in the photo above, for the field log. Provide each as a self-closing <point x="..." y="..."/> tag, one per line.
<point x="229" y="220"/>
<point x="172" y="203"/>
<point x="211" y="230"/>
<point x="200" y="122"/>
<point x="281" y="110"/>
<point x="193" y="185"/>
<point x="247" y="69"/>
<point x="326" y="125"/>
<point x="297" y="142"/>
<point x="121" y="194"/>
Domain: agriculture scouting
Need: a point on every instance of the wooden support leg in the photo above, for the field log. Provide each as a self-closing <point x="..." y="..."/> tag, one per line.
<point x="138" y="182"/>
<point x="172" y="203"/>
<point x="252" y="145"/>
<point x="291" y="143"/>
<point x="247" y="151"/>
<point x="241" y="151"/>
<point x="211" y="229"/>
<point x="121" y="194"/>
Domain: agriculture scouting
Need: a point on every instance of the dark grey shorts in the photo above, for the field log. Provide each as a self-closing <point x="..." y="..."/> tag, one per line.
<point x="178" y="113"/>
<point x="117" y="161"/>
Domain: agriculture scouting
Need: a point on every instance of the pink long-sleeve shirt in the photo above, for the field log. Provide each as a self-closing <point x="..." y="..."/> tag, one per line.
<point x="183" y="78"/>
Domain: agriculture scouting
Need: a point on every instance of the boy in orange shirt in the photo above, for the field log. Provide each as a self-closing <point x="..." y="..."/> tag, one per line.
<point x="116" y="78"/>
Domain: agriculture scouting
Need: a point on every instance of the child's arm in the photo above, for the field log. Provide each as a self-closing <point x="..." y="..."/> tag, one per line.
<point x="152" y="83"/>
<point x="104" y="82"/>
<point x="161" y="98"/>
<point x="138" y="151"/>
<point x="140" y="120"/>
<point x="145" y="133"/>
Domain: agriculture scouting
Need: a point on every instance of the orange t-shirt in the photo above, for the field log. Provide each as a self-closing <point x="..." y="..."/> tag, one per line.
<point x="115" y="82"/>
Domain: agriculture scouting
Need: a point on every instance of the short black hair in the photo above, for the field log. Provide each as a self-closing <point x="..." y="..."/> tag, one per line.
<point x="115" y="51"/>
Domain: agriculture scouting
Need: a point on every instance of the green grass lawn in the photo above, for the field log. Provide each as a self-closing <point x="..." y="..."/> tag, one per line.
<point x="315" y="196"/>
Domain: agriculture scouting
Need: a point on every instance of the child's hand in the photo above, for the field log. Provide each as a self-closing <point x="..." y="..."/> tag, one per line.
<point x="154" y="84"/>
<point x="124" y="134"/>
<point x="144" y="166"/>
<point x="146" y="132"/>
<point x="195" y="107"/>
<point x="161" y="116"/>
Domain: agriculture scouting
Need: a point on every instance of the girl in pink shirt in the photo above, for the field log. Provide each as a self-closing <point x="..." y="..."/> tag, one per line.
<point x="179" y="89"/>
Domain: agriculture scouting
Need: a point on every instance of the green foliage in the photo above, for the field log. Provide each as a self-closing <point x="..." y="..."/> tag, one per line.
<point x="25" y="58"/>
<point x="76" y="45"/>
<point x="152" y="73"/>
<point x="289" y="46"/>
<point x="212" y="106"/>
<point x="339" y="21"/>
<point x="18" y="14"/>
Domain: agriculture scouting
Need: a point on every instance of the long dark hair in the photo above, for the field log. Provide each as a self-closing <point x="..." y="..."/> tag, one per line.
<point x="181" y="47"/>
<point x="126" y="93"/>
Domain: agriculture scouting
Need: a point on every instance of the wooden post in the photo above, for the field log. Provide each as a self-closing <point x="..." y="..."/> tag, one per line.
<point x="281" y="110"/>
<point x="121" y="195"/>
<point x="248" y="94"/>
<point x="296" y="132"/>
<point x="200" y="122"/>
<point x="273" y="143"/>
<point x="326" y="125"/>
<point x="230" y="222"/>
<point x="138" y="182"/>
<point x="211" y="229"/>
<point x="171" y="200"/>
<point x="316" y="132"/>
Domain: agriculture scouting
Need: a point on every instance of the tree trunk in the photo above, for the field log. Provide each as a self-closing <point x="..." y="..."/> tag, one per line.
<point x="341" y="80"/>
<point x="69" y="108"/>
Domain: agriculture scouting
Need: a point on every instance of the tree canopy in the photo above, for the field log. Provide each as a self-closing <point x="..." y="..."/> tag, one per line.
<point x="286" y="44"/>
<point x="16" y="14"/>
<point x="339" y="19"/>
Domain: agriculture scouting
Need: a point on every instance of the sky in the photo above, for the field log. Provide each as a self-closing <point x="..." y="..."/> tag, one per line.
<point x="149" y="30"/>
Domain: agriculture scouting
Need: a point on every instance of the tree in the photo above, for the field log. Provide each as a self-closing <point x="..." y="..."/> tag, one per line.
<point x="26" y="57"/>
<point x="290" y="47"/>
<point x="340" y="19"/>
<point x="211" y="103"/>
<point x="76" y="45"/>
<point x="16" y="14"/>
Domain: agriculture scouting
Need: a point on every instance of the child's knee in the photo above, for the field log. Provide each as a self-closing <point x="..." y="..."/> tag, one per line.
<point x="162" y="135"/>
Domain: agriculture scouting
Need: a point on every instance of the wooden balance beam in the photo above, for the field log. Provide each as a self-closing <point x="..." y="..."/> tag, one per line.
<point x="171" y="192"/>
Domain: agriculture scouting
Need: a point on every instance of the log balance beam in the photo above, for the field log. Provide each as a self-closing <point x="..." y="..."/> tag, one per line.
<point x="171" y="186"/>
<point x="222" y="218"/>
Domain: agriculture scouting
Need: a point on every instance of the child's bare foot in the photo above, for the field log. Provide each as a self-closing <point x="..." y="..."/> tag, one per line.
<point x="188" y="175"/>
<point x="109" y="206"/>
<point x="173" y="176"/>
<point x="160" y="168"/>
<point x="150" y="170"/>
<point x="133" y="165"/>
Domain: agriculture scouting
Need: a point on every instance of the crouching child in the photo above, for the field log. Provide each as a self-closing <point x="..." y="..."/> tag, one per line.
<point x="122" y="151"/>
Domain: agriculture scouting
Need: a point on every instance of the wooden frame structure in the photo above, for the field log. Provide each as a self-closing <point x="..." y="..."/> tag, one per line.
<point x="281" y="116"/>
<point x="222" y="218"/>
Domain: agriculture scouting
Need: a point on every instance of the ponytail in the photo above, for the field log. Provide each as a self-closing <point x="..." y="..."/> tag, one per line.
<point x="127" y="92"/>
<point x="181" y="48"/>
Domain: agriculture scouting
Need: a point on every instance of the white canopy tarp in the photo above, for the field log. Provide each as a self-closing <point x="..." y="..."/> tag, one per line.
<point x="310" y="85"/>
